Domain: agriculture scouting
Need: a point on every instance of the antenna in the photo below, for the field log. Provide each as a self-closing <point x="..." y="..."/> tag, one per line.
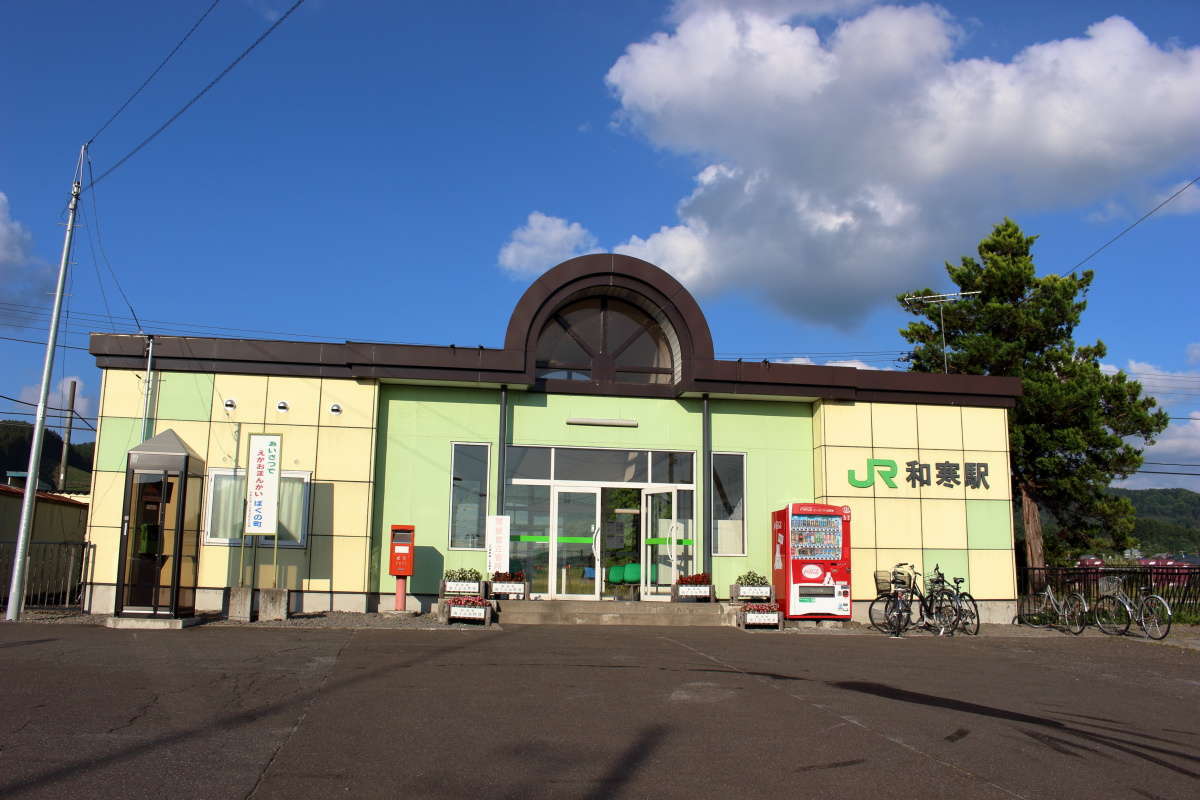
<point x="941" y="300"/>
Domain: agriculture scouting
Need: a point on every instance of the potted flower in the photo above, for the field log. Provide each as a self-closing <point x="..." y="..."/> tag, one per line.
<point x="509" y="584"/>
<point x="760" y="614"/>
<point x="753" y="587"/>
<point x="465" y="607"/>
<point x="692" y="587"/>
<point x="462" y="581"/>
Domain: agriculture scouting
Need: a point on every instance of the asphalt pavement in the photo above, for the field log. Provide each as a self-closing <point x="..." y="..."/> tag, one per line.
<point x="591" y="712"/>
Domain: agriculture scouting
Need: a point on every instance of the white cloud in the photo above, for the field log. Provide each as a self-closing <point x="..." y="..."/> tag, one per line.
<point x="542" y="242"/>
<point x="1179" y="392"/>
<point x="849" y="168"/>
<point x="23" y="277"/>
<point x="59" y="395"/>
<point x="1193" y="353"/>
<point x="772" y="9"/>
<point x="853" y="362"/>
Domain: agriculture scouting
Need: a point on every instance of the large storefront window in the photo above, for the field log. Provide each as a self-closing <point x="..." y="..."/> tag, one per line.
<point x="226" y="504"/>
<point x="728" y="503"/>
<point x="528" y="510"/>
<point x="468" y="495"/>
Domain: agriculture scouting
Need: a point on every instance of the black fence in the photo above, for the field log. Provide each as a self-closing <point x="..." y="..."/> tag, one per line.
<point x="54" y="576"/>
<point x="1179" y="586"/>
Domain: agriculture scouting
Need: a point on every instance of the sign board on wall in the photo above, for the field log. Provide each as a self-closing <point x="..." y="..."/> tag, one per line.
<point x="497" y="543"/>
<point x="262" y="485"/>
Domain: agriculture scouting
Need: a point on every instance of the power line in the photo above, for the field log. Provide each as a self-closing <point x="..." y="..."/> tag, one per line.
<point x="1139" y="221"/>
<point x="1169" y="464"/>
<point x="1163" y="472"/>
<point x="146" y="82"/>
<point x="34" y="341"/>
<point x="198" y="95"/>
<point x="104" y="253"/>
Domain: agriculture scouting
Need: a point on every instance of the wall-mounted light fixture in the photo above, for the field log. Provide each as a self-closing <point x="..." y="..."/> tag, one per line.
<point x="608" y="423"/>
<point x="281" y="406"/>
<point x="230" y="404"/>
<point x="335" y="409"/>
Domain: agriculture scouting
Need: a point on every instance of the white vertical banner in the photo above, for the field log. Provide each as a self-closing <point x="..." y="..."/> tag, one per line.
<point x="496" y="540"/>
<point x="262" y="485"/>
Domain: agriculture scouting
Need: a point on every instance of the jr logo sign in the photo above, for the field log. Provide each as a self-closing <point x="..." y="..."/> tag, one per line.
<point x="885" y="467"/>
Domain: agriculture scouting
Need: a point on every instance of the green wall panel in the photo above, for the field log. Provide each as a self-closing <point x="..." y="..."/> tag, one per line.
<point x="953" y="564"/>
<point x="989" y="524"/>
<point x="185" y="396"/>
<point x="115" y="437"/>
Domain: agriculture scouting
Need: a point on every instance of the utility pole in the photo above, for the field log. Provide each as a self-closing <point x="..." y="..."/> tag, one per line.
<point x="62" y="465"/>
<point x="16" y="588"/>
<point x="941" y="300"/>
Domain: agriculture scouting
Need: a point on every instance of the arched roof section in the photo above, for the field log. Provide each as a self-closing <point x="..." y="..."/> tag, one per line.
<point x="630" y="279"/>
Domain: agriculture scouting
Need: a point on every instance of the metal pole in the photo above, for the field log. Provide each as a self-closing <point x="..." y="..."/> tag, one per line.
<point x="147" y="423"/>
<point x="942" y="326"/>
<point x="16" y="588"/>
<point x="62" y="467"/>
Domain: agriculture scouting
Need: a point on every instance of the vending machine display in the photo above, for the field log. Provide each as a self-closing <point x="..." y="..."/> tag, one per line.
<point x="811" y="560"/>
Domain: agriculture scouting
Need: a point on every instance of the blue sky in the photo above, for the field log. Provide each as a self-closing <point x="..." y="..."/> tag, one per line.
<point x="400" y="171"/>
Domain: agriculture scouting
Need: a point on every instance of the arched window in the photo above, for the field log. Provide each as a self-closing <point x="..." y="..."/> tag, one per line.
<point x="604" y="339"/>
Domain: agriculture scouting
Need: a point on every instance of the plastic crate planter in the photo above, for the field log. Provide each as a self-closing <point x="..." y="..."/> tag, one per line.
<point x="760" y="615"/>
<point x="694" y="588"/>
<point x="751" y="587"/>
<point x="508" y="585"/>
<point x="465" y="609"/>
<point x="464" y="581"/>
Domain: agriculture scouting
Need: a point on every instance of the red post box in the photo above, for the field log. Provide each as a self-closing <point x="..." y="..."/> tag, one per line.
<point x="401" y="562"/>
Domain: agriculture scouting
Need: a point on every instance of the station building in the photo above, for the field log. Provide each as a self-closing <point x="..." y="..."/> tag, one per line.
<point x="623" y="452"/>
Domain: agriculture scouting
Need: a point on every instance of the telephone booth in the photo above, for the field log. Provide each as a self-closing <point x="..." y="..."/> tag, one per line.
<point x="160" y="529"/>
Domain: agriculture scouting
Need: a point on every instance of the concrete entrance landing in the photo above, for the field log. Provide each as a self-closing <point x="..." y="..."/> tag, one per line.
<point x="613" y="612"/>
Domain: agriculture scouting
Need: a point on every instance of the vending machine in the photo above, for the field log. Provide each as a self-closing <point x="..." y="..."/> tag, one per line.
<point x="810" y="547"/>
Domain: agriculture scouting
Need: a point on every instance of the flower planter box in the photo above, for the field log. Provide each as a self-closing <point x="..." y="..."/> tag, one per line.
<point x="692" y="592"/>
<point x="509" y="589"/>
<point x="753" y="594"/>
<point x="475" y="588"/>
<point x="746" y="619"/>
<point x="447" y="614"/>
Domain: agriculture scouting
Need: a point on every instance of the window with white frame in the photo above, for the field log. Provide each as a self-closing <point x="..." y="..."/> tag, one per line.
<point x="224" y="509"/>
<point x="728" y="504"/>
<point x="468" y="495"/>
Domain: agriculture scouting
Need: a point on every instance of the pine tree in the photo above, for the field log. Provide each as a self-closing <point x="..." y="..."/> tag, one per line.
<point x="1076" y="428"/>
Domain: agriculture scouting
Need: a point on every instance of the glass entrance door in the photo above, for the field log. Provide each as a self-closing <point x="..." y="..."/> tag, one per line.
<point x="659" y="535"/>
<point x="574" y="550"/>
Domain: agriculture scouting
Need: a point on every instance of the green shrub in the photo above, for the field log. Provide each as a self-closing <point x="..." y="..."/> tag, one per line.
<point x="751" y="578"/>
<point x="464" y="574"/>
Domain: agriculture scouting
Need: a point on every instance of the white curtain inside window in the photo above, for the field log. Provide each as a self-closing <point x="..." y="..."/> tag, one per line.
<point x="228" y="494"/>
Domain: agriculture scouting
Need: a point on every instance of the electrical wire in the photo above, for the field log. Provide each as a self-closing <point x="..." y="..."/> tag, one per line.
<point x="104" y="253"/>
<point x="1137" y="222"/>
<point x="157" y="69"/>
<point x="195" y="98"/>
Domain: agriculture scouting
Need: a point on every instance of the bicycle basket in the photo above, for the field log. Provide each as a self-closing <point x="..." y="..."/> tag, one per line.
<point x="902" y="579"/>
<point x="883" y="581"/>
<point x="934" y="583"/>
<point x="1111" y="584"/>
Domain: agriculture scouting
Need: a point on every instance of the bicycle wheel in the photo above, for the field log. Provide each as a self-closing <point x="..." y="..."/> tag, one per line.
<point x="968" y="614"/>
<point x="878" y="612"/>
<point x="943" y="612"/>
<point x="1112" y="616"/>
<point x="1031" y="610"/>
<point x="1154" y="616"/>
<point x="897" y="614"/>
<point x="1074" y="614"/>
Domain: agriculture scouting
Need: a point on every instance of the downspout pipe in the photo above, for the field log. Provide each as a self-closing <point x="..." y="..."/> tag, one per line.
<point x="502" y="460"/>
<point x="708" y="488"/>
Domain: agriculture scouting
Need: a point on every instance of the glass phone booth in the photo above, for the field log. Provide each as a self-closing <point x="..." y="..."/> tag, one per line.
<point x="160" y="529"/>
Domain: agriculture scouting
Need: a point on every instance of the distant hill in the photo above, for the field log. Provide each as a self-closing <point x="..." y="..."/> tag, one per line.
<point x="15" y="436"/>
<point x="1168" y="520"/>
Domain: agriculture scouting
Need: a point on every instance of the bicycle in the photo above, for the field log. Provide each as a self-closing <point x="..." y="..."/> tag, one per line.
<point x="1115" y="611"/>
<point x="966" y="608"/>
<point x="899" y="595"/>
<point x="1042" y="609"/>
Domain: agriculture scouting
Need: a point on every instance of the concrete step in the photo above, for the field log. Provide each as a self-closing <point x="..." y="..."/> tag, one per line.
<point x="607" y="612"/>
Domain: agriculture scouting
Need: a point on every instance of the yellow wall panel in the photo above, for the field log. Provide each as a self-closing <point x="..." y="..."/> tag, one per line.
<point x="819" y="486"/>
<point x="839" y="461"/>
<point x="303" y="398"/>
<point x="847" y="424"/>
<point x="936" y="491"/>
<point x="901" y="459"/>
<point x="122" y="394"/>
<point x="940" y="427"/>
<point x="349" y="563"/>
<point x="887" y="557"/>
<point x="344" y="454"/>
<point x="357" y="399"/>
<point x="985" y="429"/>
<point x="818" y="424"/>
<point x="248" y="391"/>
<point x="107" y="542"/>
<point x="862" y="519"/>
<point x="897" y="523"/>
<point x="862" y="574"/>
<point x="224" y="449"/>
<point x="894" y="425"/>
<point x="320" y="564"/>
<point x="292" y="568"/>
<point x="193" y="434"/>
<point x="341" y="508"/>
<point x="297" y="444"/>
<point x="944" y="524"/>
<point x="992" y="574"/>
<point x="107" y="499"/>
<point x="999" y="482"/>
